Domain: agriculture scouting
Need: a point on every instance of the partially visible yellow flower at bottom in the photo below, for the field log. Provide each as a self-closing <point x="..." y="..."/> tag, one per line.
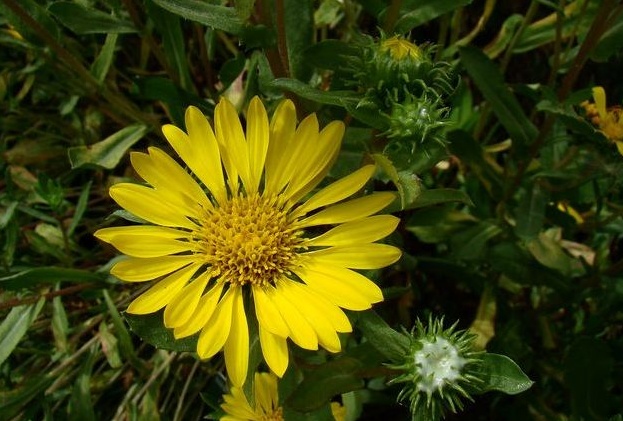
<point x="266" y="402"/>
<point x="608" y="120"/>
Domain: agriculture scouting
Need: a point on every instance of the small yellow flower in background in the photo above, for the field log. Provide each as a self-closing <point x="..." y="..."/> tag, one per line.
<point x="609" y="120"/>
<point x="400" y="48"/>
<point x="220" y="239"/>
<point x="265" y="398"/>
<point x="338" y="411"/>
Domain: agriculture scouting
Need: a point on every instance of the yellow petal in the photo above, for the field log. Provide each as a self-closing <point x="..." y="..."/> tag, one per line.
<point x="365" y="256"/>
<point x="257" y="138"/>
<point x="620" y="147"/>
<point x="199" y="151"/>
<point x="327" y="337"/>
<point x="107" y="234"/>
<point x="337" y="191"/>
<point x="202" y="313"/>
<point x="360" y="231"/>
<point x="159" y="295"/>
<point x="267" y="313"/>
<point x="341" y="286"/>
<point x="237" y="406"/>
<point x="215" y="333"/>
<point x="166" y="176"/>
<point x="136" y="269"/>
<point x="237" y="344"/>
<point x="183" y="305"/>
<point x="599" y="95"/>
<point x="349" y="211"/>
<point x="298" y="150"/>
<point x="275" y="351"/>
<point x="146" y="203"/>
<point x="232" y="144"/>
<point x="282" y="129"/>
<point x="148" y="246"/>
<point x="315" y="159"/>
<point x="332" y="312"/>
<point x="300" y="330"/>
<point x="265" y="392"/>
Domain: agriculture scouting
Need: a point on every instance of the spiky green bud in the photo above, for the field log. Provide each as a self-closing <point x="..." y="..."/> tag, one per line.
<point x="417" y="119"/>
<point x="439" y="370"/>
<point x="392" y="67"/>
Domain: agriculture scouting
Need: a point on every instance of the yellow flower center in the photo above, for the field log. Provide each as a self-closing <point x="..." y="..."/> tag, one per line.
<point x="400" y="48"/>
<point x="275" y="415"/>
<point x="248" y="240"/>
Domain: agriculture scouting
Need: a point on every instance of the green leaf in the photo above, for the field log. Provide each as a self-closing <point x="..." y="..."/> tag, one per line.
<point x="218" y="17"/>
<point x="244" y="8"/>
<point x="470" y="243"/>
<point x="386" y="340"/>
<point x="514" y="262"/>
<point x="299" y="28"/>
<point x="408" y="184"/>
<point x="101" y="65"/>
<point x="60" y="324"/>
<point x="121" y="332"/>
<point x="169" y="26"/>
<point x="323" y="382"/>
<point x="328" y="54"/>
<point x="47" y="275"/>
<point x="489" y="80"/>
<point x="589" y="368"/>
<point x="611" y="41"/>
<point x="80" y="403"/>
<point x="550" y="253"/>
<point x="84" y="20"/>
<point x="15" y="326"/>
<point x="576" y="22"/>
<point x="305" y="91"/>
<point x="425" y="11"/>
<point x="531" y="212"/>
<point x="440" y="196"/>
<point x="502" y="374"/>
<point x="151" y="329"/>
<point x="80" y="208"/>
<point x="109" y="151"/>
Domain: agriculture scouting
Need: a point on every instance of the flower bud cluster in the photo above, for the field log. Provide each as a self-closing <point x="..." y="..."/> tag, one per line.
<point x="403" y="84"/>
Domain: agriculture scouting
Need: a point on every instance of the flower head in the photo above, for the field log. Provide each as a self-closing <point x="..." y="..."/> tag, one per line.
<point x="233" y="234"/>
<point x="266" y="401"/>
<point x="266" y="405"/>
<point x="400" y="48"/>
<point x="609" y="120"/>
<point x="437" y="370"/>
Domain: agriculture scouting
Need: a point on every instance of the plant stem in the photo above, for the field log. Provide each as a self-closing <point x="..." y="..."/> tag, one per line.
<point x="392" y="16"/>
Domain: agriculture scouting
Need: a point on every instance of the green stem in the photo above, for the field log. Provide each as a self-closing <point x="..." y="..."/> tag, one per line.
<point x="392" y="16"/>
<point x="530" y="13"/>
<point x="282" y="44"/>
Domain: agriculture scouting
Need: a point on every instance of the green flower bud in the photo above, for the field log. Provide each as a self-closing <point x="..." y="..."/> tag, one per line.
<point x="394" y="66"/>
<point x="439" y="370"/>
<point x="417" y="119"/>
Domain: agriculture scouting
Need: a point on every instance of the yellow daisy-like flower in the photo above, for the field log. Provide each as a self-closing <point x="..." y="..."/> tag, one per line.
<point x="266" y="401"/>
<point x="221" y="239"/>
<point x="609" y="120"/>
<point x="400" y="48"/>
